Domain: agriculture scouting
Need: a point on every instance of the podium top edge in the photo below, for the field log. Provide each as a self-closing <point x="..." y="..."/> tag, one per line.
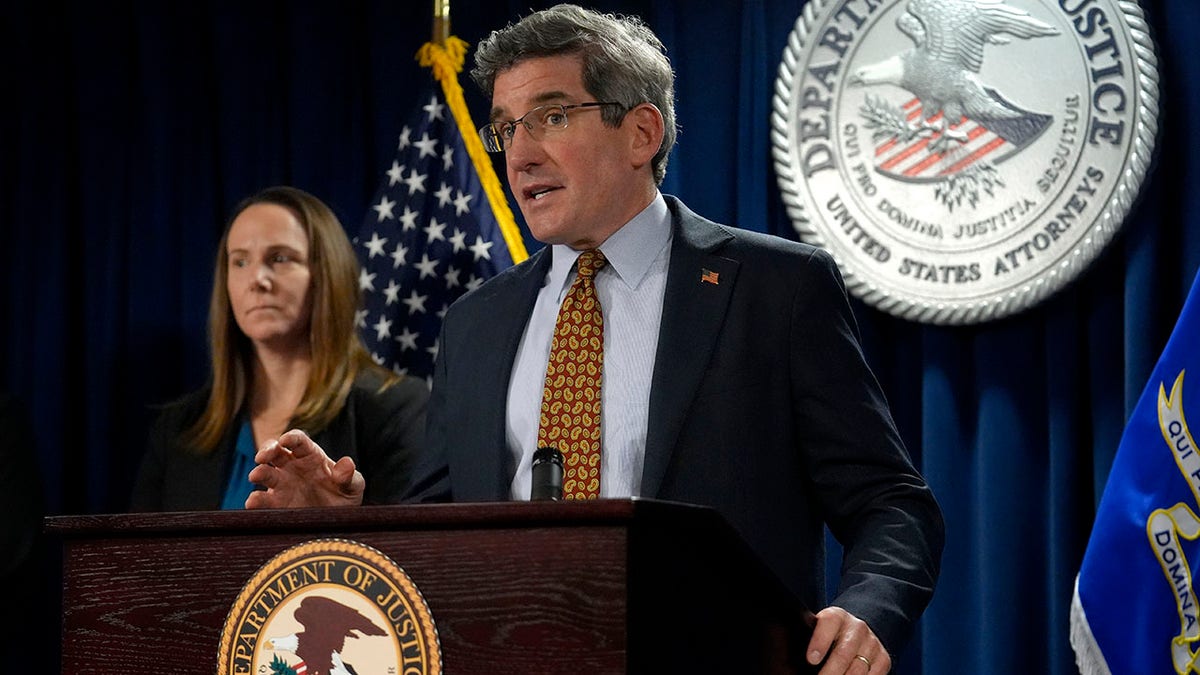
<point x="401" y="517"/>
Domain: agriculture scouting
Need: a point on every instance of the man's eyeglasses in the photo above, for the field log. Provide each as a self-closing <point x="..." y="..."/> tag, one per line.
<point x="497" y="136"/>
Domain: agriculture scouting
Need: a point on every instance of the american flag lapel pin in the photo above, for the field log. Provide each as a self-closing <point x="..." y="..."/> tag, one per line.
<point x="709" y="276"/>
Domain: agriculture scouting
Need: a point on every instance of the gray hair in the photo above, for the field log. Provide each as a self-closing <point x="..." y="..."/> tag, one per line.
<point x="623" y="61"/>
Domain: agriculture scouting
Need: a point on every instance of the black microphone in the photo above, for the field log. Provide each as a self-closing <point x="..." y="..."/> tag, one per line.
<point x="547" y="475"/>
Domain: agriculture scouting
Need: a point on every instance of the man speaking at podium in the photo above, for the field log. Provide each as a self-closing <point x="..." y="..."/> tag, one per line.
<point x="664" y="355"/>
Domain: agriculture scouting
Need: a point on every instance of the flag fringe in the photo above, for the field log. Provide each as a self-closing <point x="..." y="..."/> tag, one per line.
<point x="446" y="60"/>
<point x="1088" y="657"/>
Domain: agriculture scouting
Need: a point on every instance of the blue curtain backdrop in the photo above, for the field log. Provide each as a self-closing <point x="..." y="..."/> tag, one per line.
<point x="130" y="128"/>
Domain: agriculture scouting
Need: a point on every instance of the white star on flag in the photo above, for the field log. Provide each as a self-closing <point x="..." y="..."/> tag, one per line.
<point x="407" y="339"/>
<point x="375" y="246"/>
<point x="415" y="303"/>
<point x="384" y="209"/>
<point x="461" y="203"/>
<point x="366" y="280"/>
<point x="399" y="256"/>
<point x="415" y="182"/>
<point x="427" y="267"/>
<point x="435" y="231"/>
<point x="409" y="219"/>
<point x="395" y="174"/>
<point x="480" y="249"/>
<point x="392" y="292"/>
<point x="433" y="108"/>
<point x="383" y="327"/>
<point x="427" y="145"/>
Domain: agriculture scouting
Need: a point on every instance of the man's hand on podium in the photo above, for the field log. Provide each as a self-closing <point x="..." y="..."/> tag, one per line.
<point x="296" y="472"/>
<point x="847" y="645"/>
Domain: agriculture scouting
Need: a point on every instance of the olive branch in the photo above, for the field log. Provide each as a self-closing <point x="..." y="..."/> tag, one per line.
<point x="281" y="667"/>
<point x="886" y="120"/>
<point x="967" y="184"/>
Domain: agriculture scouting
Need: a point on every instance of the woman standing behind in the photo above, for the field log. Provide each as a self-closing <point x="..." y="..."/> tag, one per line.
<point x="285" y="355"/>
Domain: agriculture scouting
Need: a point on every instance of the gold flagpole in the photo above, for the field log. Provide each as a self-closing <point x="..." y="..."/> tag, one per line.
<point x="445" y="54"/>
<point x="441" y="21"/>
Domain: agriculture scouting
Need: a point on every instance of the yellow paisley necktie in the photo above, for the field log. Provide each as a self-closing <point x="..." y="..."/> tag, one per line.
<point x="570" y="419"/>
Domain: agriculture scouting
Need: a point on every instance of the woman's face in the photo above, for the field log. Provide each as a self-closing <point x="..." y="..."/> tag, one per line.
<point x="269" y="279"/>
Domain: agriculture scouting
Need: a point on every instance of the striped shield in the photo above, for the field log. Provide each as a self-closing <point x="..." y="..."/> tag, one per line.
<point x="918" y="160"/>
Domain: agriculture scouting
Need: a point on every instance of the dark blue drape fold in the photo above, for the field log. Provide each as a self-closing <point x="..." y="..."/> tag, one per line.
<point x="130" y="128"/>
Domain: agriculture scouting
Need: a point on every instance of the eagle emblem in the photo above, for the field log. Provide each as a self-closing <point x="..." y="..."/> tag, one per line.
<point x="963" y="159"/>
<point x="329" y="607"/>
<point x="327" y="625"/>
<point x="955" y="120"/>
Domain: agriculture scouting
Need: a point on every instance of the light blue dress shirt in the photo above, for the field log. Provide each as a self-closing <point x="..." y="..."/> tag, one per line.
<point x="630" y="288"/>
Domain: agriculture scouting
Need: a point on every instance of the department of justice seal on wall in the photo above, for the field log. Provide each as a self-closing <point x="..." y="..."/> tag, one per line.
<point x="330" y="607"/>
<point x="963" y="159"/>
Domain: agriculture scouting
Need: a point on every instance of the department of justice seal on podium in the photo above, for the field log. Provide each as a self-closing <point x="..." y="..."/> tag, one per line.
<point x="963" y="159"/>
<point x="330" y="607"/>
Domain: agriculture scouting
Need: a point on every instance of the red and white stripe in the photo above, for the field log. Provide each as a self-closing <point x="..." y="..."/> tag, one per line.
<point x="914" y="160"/>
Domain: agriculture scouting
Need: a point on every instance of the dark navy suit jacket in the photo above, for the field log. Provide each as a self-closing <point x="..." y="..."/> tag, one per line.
<point x="761" y="406"/>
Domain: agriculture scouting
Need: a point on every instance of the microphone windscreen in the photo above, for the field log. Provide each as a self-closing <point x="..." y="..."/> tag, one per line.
<point x="547" y="475"/>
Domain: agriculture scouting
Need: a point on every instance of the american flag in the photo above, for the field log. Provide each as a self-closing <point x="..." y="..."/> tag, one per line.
<point x="429" y="236"/>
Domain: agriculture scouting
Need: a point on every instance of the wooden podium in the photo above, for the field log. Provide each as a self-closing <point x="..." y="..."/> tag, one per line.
<point x="516" y="587"/>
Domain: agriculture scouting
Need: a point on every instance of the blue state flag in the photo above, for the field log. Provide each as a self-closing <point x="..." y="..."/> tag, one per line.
<point x="438" y="226"/>
<point x="1135" y="608"/>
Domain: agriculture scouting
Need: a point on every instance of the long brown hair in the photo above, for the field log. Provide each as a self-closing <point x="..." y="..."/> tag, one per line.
<point x="338" y="354"/>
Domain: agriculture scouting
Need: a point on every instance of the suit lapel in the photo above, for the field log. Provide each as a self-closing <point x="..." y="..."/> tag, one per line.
<point x="509" y="303"/>
<point x="695" y="301"/>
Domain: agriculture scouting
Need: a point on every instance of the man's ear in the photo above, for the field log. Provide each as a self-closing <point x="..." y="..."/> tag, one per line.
<point x="646" y="137"/>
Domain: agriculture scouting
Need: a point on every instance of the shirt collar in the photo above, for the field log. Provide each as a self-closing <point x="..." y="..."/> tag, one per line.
<point x="629" y="251"/>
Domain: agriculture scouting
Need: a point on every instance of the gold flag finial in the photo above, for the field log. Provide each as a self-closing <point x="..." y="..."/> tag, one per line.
<point x="441" y="21"/>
